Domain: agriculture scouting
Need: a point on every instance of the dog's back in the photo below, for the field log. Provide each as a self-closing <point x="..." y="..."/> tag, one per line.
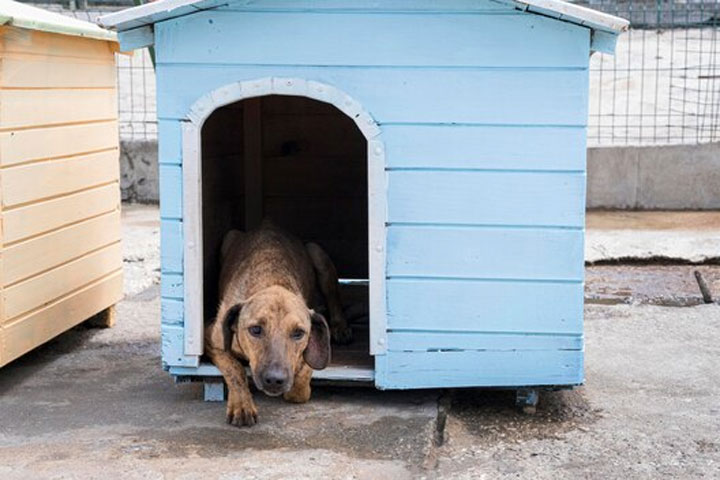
<point x="265" y="257"/>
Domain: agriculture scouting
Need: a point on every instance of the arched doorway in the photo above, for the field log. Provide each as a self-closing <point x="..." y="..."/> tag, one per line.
<point x="307" y="164"/>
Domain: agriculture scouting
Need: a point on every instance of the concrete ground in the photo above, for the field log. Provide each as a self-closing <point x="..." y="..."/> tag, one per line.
<point x="95" y="403"/>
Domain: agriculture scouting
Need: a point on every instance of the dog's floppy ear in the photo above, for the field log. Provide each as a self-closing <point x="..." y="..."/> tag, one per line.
<point x="317" y="352"/>
<point x="229" y="325"/>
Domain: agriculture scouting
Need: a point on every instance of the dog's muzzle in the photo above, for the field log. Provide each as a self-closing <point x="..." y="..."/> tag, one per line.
<point x="274" y="380"/>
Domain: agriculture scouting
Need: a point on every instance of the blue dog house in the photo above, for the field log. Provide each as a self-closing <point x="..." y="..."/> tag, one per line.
<point x="435" y="149"/>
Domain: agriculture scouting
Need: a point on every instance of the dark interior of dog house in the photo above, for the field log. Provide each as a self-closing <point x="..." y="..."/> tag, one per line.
<point x="303" y="164"/>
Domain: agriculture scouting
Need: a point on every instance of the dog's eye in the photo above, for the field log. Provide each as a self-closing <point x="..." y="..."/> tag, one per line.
<point x="297" y="334"/>
<point x="256" y="330"/>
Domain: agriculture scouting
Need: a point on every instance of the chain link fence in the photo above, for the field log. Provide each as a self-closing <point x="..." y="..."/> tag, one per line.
<point x="662" y="86"/>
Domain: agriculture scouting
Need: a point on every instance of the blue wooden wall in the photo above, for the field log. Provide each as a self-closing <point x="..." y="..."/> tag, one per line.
<point x="483" y="111"/>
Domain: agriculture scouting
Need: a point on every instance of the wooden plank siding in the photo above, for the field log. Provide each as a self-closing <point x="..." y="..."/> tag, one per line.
<point x="506" y="198"/>
<point x="36" y="328"/>
<point x="39" y="71"/>
<point x="36" y="181"/>
<point x="475" y="368"/>
<point x="367" y="6"/>
<point x="30" y="108"/>
<point x="50" y="250"/>
<point x="41" y="217"/>
<point x="61" y="260"/>
<point x="41" y="289"/>
<point x="514" y="97"/>
<point x="482" y="111"/>
<point x="30" y="145"/>
<point x="14" y="40"/>
<point x="395" y="40"/>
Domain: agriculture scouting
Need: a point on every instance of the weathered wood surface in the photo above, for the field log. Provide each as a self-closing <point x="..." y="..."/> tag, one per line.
<point x="482" y="120"/>
<point x="36" y="218"/>
<point x="43" y="288"/>
<point x="33" y="108"/>
<point x="554" y="97"/>
<point x="27" y="332"/>
<point x="35" y="181"/>
<point x="23" y="146"/>
<point x="373" y="39"/>
<point x="33" y="71"/>
<point x="61" y="261"/>
<point x="25" y="259"/>
<point x="477" y="368"/>
<point x="23" y="41"/>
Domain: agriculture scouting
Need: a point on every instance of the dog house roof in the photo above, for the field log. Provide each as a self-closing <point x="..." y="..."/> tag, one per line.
<point x="32" y="18"/>
<point x="160" y="10"/>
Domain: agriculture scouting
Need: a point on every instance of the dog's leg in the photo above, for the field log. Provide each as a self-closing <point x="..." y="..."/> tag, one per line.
<point x="300" y="391"/>
<point x="328" y="281"/>
<point x="241" y="409"/>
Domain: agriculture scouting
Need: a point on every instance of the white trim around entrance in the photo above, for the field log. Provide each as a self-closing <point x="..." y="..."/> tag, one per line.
<point x="192" y="196"/>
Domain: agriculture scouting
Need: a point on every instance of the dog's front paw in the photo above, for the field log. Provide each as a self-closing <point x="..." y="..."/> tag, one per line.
<point x="299" y="394"/>
<point x="241" y="413"/>
<point x="341" y="334"/>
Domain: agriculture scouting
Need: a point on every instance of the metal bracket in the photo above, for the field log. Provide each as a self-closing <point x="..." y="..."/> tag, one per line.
<point x="214" y="391"/>
<point x="527" y="399"/>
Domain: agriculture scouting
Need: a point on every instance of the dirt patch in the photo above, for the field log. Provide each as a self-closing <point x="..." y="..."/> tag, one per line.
<point x="490" y="416"/>
<point x="665" y="285"/>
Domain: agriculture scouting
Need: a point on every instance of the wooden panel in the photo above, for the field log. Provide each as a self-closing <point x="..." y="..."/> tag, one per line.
<point x="171" y="285"/>
<point x="490" y="198"/>
<point x="46" y="287"/>
<point x="478" y="369"/>
<point x="421" y="6"/>
<point x="436" y="342"/>
<point x="373" y="39"/>
<point x="37" y="218"/>
<point x="317" y="176"/>
<point x="32" y="71"/>
<point x="170" y="191"/>
<point x="460" y="146"/>
<point x="35" y="181"/>
<point x="28" y="332"/>
<point x="171" y="246"/>
<point x="489" y="253"/>
<point x="253" y="162"/>
<point x="31" y="257"/>
<point x="173" y="348"/>
<point x="29" y="108"/>
<point x="408" y="95"/>
<point x="21" y="40"/>
<point x="172" y="311"/>
<point x="137" y="38"/>
<point x="485" y="306"/>
<point x="309" y="135"/>
<point x="169" y="142"/>
<point x="3" y="354"/>
<point x="53" y="142"/>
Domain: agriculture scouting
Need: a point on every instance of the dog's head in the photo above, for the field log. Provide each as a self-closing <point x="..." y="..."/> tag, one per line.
<point x="277" y="333"/>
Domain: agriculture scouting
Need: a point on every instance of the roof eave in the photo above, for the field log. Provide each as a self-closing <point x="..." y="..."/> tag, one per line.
<point x="604" y="27"/>
<point x="32" y="18"/>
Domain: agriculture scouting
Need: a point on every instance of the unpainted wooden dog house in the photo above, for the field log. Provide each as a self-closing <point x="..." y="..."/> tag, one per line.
<point x="60" y="256"/>
<point x="435" y="149"/>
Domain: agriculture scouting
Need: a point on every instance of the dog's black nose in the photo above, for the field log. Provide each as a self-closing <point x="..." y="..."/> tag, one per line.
<point x="275" y="378"/>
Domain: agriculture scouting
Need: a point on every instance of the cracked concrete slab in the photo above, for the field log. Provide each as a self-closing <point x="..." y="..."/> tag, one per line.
<point x="649" y="408"/>
<point x="93" y="398"/>
<point x="669" y="285"/>
<point x="96" y="404"/>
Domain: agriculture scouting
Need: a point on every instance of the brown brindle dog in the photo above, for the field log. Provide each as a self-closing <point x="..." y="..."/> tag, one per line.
<point x="267" y="280"/>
